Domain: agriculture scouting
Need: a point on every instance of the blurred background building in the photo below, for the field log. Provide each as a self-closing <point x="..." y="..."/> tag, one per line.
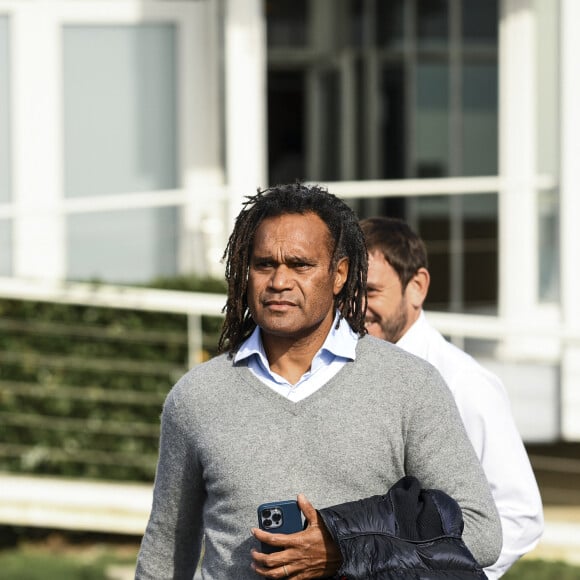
<point x="131" y="130"/>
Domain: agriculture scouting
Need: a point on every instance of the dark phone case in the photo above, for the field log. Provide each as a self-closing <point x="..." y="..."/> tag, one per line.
<point x="291" y="520"/>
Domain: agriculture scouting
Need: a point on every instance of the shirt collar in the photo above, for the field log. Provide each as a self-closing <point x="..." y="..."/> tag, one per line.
<point x="413" y="340"/>
<point x="340" y="342"/>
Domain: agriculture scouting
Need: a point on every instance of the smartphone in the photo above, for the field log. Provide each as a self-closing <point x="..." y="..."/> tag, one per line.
<point x="279" y="517"/>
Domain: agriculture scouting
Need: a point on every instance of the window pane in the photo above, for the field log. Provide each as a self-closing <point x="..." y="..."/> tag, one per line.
<point x="389" y="23"/>
<point x="356" y="23"/>
<point x="286" y="22"/>
<point x="5" y="247"/>
<point x="549" y="247"/>
<point x="480" y="121"/>
<point x="130" y="246"/>
<point x="480" y="256"/>
<point x="432" y="222"/>
<point x="432" y="121"/>
<point x="5" y="169"/>
<point x="480" y="22"/>
<point x="393" y="123"/>
<point x="422" y="106"/>
<point x="330" y="127"/>
<point x="461" y="237"/>
<point x="119" y="109"/>
<point x="286" y="120"/>
<point x="432" y="23"/>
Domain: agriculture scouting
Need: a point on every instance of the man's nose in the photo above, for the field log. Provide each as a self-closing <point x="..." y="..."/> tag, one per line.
<point x="280" y="277"/>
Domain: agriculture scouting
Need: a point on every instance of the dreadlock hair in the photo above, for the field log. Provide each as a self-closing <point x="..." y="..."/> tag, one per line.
<point x="347" y="240"/>
<point x="401" y="247"/>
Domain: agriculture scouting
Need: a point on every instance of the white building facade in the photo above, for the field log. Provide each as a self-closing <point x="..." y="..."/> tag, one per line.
<point x="131" y="130"/>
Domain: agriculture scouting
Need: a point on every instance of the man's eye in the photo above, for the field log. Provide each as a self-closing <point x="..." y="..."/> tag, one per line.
<point x="262" y="265"/>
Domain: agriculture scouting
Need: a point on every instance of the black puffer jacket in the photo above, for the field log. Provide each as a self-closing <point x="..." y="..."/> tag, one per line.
<point x="409" y="533"/>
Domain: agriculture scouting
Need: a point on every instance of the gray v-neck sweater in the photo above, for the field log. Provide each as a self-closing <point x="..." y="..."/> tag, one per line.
<point x="229" y="443"/>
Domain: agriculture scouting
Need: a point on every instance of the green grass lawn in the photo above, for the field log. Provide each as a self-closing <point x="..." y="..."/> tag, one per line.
<point x="65" y="556"/>
<point x="32" y="563"/>
<point x="529" y="569"/>
<point x="26" y="565"/>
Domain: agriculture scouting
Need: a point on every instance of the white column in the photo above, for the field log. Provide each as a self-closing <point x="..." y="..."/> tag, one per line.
<point x="517" y="211"/>
<point x="518" y="207"/>
<point x="38" y="226"/>
<point x="570" y="214"/>
<point x="245" y="95"/>
<point x="203" y="234"/>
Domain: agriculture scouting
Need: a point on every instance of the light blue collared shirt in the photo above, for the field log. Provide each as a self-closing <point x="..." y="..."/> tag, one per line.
<point x="338" y="348"/>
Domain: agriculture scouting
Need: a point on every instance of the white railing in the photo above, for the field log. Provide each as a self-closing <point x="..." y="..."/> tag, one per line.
<point x="74" y="504"/>
<point x="56" y="502"/>
<point x="425" y="187"/>
<point x="191" y="304"/>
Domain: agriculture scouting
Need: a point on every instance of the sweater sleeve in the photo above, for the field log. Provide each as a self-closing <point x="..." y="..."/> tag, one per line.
<point x="439" y="454"/>
<point x="171" y="545"/>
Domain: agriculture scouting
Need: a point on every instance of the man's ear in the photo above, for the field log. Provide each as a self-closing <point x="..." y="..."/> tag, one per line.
<point x="418" y="287"/>
<point x="340" y="275"/>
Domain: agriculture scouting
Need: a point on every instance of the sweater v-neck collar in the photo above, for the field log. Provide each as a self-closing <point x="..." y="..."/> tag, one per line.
<point x="295" y="408"/>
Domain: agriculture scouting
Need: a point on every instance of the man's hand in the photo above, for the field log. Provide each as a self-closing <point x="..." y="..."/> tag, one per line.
<point x="311" y="553"/>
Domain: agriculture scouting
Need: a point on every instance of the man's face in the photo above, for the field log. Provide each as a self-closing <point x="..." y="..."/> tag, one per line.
<point x="291" y="287"/>
<point x="388" y="309"/>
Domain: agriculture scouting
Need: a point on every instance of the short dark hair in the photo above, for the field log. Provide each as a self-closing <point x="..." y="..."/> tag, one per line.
<point x="347" y="241"/>
<point x="403" y="249"/>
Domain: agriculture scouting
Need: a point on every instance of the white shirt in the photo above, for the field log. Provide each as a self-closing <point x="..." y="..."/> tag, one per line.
<point x="339" y="347"/>
<point x="485" y="409"/>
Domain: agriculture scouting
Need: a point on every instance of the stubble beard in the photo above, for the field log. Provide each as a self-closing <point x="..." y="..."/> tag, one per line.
<point x="393" y="329"/>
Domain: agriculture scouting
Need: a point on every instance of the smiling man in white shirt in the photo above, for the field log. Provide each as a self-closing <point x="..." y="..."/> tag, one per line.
<point x="397" y="284"/>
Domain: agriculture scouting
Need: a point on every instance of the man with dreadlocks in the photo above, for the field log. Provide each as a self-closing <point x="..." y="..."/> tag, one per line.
<point x="301" y="403"/>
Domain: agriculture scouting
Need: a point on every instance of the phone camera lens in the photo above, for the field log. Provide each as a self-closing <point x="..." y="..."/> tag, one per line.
<point x="277" y="517"/>
<point x="267" y="523"/>
<point x="266" y="513"/>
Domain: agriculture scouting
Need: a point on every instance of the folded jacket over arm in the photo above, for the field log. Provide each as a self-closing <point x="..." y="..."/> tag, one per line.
<point x="408" y="533"/>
